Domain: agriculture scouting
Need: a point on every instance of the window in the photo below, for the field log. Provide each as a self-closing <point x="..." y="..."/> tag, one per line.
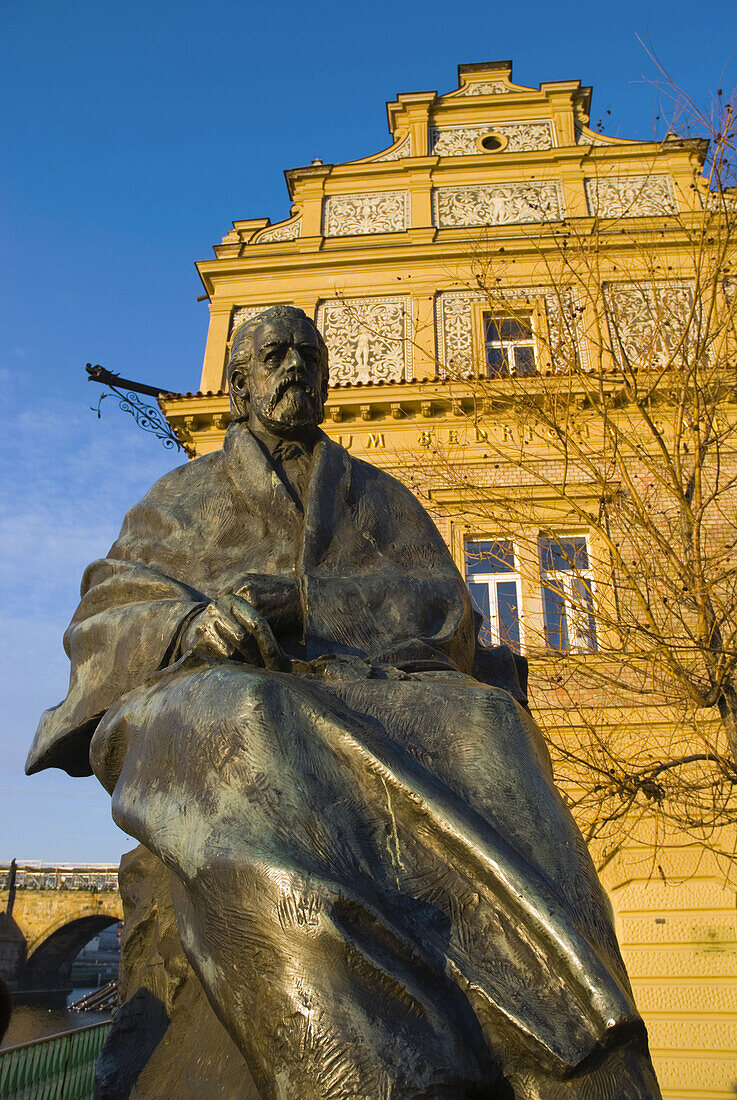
<point x="494" y="586"/>
<point x="568" y="601"/>
<point x="508" y="346"/>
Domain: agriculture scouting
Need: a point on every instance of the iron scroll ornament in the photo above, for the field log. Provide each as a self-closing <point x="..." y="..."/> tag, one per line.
<point x="147" y="417"/>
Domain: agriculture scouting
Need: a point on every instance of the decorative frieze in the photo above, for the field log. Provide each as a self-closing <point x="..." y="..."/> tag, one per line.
<point x="284" y="231"/>
<point x="369" y="339"/>
<point x="397" y="152"/>
<point x="484" y="87"/>
<point x="648" y="322"/>
<point x="367" y="212"/>
<point x="497" y="204"/>
<point x="630" y="196"/>
<point x="560" y="344"/>
<point x="463" y="141"/>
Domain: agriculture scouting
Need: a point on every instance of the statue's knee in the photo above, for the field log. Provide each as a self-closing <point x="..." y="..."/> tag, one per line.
<point x="253" y="692"/>
<point x="240" y="701"/>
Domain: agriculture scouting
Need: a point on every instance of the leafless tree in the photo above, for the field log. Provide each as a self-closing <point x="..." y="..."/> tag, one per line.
<point x="618" y="485"/>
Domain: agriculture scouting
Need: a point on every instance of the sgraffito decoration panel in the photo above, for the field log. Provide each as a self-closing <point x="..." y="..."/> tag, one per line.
<point x="397" y="152"/>
<point x="454" y="327"/>
<point x="647" y="322"/>
<point x="366" y="212"/>
<point x="484" y="87"/>
<point x="245" y="313"/>
<point x="462" y="141"/>
<point x="589" y="137"/>
<point x="284" y="231"/>
<point x="630" y="196"/>
<point x="497" y="204"/>
<point x="369" y="339"/>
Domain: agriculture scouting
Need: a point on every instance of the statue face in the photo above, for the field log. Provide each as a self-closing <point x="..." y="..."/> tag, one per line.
<point x="285" y="377"/>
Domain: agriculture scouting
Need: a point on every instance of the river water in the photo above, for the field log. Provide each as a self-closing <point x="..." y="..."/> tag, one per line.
<point x="34" y="1022"/>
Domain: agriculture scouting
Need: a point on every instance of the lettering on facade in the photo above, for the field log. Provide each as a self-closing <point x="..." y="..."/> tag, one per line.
<point x="455" y="437"/>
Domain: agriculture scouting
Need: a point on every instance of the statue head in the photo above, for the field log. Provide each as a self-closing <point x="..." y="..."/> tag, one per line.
<point x="278" y="372"/>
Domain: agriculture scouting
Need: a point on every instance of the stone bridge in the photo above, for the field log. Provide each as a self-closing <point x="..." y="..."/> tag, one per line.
<point x="47" y="914"/>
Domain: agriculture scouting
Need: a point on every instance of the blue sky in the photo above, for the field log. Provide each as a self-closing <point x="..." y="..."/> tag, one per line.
<point x="131" y="135"/>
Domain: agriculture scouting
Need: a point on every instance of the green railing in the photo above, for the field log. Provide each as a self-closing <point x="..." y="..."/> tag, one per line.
<point x="59" y="1067"/>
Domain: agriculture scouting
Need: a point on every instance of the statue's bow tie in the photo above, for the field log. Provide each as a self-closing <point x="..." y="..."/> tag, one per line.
<point x="288" y="448"/>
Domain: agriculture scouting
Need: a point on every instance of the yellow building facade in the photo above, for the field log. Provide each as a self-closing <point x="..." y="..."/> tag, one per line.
<point x="386" y="254"/>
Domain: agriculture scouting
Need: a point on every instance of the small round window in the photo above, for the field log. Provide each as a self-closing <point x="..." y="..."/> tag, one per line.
<point x="492" y="143"/>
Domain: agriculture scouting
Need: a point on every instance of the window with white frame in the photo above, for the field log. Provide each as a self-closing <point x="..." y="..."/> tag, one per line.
<point x="494" y="584"/>
<point x="568" y="592"/>
<point x="509" y="346"/>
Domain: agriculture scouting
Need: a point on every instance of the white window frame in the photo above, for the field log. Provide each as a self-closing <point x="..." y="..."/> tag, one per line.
<point x="576" y="617"/>
<point x="491" y="580"/>
<point x="496" y="317"/>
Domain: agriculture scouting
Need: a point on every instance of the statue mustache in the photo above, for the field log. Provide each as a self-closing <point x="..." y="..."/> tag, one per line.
<point x="284" y="384"/>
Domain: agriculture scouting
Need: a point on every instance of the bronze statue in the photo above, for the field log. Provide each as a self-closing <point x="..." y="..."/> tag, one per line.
<point x="355" y="842"/>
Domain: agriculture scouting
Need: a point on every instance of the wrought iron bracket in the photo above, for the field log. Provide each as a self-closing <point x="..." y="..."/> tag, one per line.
<point x="148" y="417"/>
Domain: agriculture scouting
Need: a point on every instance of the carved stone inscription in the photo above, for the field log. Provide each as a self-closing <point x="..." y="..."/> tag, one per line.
<point x="368" y="212"/>
<point x="369" y="339"/>
<point x="631" y="196"/>
<point x="497" y="204"/>
<point x="462" y="141"/>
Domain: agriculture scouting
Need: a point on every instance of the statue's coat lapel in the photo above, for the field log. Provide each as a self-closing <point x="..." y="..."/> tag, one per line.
<point x="330" y="479"/>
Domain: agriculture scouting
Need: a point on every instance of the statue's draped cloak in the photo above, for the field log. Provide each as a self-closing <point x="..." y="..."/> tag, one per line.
<point x="373" y="875"/>
<point x="375" y="576"/>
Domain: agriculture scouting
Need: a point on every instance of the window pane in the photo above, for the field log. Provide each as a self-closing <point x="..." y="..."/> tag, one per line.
<point x="489" y="557"/>
<point x="480" y="601"/>
<point x="524" y="360"/>
<point x="508" y="605"/>
<point x="563" y="554"/>
<point x="585" y="627"/>
<point x="512" y="329"/>
<point x="492" y="330"/>
<point x="554" y="609"/>
<point x="497" y="364"/>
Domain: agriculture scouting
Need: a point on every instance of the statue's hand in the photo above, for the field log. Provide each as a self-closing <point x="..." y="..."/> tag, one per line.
<point x="276" y="599"/>
<point x="230" y="627"/>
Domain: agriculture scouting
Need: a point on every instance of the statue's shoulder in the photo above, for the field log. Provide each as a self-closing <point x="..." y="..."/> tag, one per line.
<point x="178" y="484"/>
<point x="174" y="502"/>
<point x="369" y="478"/>
<point x="393" y="504"/>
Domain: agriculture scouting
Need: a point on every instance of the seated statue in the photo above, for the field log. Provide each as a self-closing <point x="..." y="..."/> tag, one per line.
<point x="357" y="865"/>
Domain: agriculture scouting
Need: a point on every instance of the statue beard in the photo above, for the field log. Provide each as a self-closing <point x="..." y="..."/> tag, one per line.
<point x="293" y="408"/>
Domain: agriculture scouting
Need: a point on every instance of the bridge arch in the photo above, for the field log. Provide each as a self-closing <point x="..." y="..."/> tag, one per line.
<point x="50" y="912"/>
<point x="49" y="967"/>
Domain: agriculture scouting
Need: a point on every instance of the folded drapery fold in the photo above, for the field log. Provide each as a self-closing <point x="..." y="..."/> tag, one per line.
<point x="370" y="842"/>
